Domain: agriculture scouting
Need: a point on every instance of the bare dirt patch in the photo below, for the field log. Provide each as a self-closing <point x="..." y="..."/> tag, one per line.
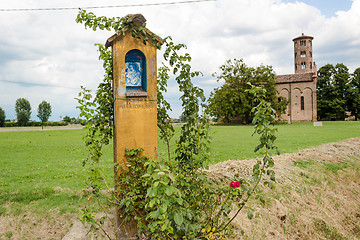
<point x="30" y="226"/>
<point x="317" y="196"/>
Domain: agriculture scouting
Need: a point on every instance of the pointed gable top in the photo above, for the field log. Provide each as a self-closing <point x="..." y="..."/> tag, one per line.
<point x="138" y="20"/>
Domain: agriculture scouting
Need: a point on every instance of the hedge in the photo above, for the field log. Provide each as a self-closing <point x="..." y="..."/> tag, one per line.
<point x="36" y="124"/>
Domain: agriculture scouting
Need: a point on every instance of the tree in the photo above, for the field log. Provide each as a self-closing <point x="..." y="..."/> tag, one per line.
<point x="354" y="94"/>
<point x="231" y="100"/>
<point x="2" y="118"/>
<point x="44" y="112"/>
<point x="67" y="119"/>
<point x="332" y="92"/>
<point x="23" y="111"/>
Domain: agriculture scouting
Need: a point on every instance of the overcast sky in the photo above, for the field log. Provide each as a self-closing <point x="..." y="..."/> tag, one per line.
<point x="46" y="55"/>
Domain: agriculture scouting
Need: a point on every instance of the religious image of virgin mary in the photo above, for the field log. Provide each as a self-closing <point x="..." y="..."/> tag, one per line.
<point x="133" y="74"/>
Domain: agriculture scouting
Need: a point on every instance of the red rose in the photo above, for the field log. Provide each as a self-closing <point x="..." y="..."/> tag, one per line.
<point x="234" y="184"/>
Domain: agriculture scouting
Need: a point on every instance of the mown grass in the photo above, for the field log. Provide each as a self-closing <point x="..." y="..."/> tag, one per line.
<point x="33" y="163"/>
<point x="235" y="142"/>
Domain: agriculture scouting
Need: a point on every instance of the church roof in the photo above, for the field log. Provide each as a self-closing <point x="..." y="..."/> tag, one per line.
<point x="292" y="78"/>
<point x="303" y="37"/>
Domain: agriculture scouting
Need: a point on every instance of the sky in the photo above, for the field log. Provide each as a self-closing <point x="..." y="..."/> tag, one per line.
<point x="46" y="55"/>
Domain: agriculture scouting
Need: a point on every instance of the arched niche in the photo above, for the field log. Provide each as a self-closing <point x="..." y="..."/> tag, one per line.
<point x="135" y="71"/>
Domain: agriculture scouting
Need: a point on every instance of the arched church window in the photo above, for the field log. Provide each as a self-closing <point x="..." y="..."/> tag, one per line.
<point x="303" y="65"/>
<point x="302" y="103"/>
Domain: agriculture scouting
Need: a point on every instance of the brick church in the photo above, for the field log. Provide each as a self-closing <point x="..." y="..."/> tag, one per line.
<point x="300" y="88"/>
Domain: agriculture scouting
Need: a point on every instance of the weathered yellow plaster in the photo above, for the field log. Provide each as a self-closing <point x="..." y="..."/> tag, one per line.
<point x="135" y="117"/>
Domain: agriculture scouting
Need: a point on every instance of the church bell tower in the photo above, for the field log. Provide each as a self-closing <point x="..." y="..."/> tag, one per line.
<point x="303" y="55"/>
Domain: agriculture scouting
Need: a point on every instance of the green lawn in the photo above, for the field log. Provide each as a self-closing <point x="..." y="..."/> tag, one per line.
<point x="236" y="142"/>
<point x="32" y="163"/>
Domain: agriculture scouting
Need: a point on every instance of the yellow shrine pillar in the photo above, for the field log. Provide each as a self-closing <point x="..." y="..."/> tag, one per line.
<point x="135" y="94"/>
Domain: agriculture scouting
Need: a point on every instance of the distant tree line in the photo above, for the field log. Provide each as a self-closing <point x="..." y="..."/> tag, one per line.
<point x="37" y="124"/>
<point x="71" y="120"/>
<point x="338" y="92"/>
<point x="23" y="111"/>
<point x="23" y="114"/>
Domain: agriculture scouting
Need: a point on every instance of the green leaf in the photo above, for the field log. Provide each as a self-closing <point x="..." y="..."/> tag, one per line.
<point x="163" y="208"/>
<point x="178" y="219"/>
<point x="155" y="214"/>
<point x="271" y="163"/>
<point x="163" y="227"/>
<point x="169" y="190"/>
<point x="179" y="201"/>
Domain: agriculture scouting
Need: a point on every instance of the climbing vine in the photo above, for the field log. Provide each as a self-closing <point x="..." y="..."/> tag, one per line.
<point x="168" y="197"/>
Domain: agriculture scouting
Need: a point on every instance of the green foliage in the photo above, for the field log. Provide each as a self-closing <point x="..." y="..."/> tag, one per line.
<point x="2" y="118"/>
<point x="179" y="205"/>
<point x="264" y="115"/>
<point x="335" y="167"/>
<point x="354" y="94"/>
<point x="191" y="148"/>
<point x="163" y="107"/>
<point x="44" y="111"/>
<point x="22" y="118"/>
<point x="332" y="92"/>
<point x="23" y="111"/>
<point x="98" y="112"/>
<point x="98" y="117"/>
<point x="67" y="119"/>
<point x="37" y="124"/>
<point x="168" y="198"/>
<point x="120" y="25"/>
<point x="72" y="120"/>
<point x="231" y="100"/>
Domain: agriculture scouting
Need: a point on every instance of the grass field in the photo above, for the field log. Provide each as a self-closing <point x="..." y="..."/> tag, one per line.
<point x="33" y="163"/>
<point x="236" y="142"/>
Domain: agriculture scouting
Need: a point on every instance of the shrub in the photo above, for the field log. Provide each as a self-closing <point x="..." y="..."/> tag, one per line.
<point x="36" y="124"/>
